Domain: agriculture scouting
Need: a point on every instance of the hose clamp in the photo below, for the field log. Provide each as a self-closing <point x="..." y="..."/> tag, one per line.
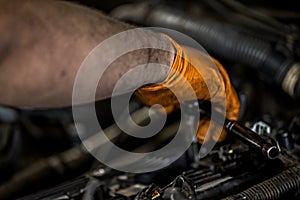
<point x="291" y="78"/>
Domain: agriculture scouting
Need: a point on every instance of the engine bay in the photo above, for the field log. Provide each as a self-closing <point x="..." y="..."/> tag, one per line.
<point x="42" y="157"/>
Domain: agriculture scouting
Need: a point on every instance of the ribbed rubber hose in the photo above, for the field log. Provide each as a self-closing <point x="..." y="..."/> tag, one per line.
<point x="224" y="41"/>
<point x="282" y="186"/>
<point x="221" y="40"/>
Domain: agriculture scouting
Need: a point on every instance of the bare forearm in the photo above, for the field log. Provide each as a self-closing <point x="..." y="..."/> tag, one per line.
<point x="43" y="44"/>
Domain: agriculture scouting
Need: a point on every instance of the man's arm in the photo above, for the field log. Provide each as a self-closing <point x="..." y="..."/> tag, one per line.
<point x="43" y="43"/>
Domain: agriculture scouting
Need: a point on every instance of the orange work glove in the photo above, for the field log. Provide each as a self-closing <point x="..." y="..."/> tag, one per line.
<point x="185" y="61"/>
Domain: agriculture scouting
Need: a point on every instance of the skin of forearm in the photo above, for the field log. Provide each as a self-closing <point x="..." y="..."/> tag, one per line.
<point x="44" y="42"/>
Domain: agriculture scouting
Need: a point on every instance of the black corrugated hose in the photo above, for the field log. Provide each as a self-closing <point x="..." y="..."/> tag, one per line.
<point x="285" y="185"/>
<point x="222" y="40"/>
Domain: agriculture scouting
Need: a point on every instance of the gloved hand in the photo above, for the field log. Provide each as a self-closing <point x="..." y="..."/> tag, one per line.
<point x="184" y="63"/>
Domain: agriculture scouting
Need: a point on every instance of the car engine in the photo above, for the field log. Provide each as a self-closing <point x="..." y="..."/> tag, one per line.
<point x="42" y="157"/>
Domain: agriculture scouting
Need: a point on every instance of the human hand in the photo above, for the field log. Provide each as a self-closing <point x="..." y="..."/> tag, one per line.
<point x="186" y="62"/>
